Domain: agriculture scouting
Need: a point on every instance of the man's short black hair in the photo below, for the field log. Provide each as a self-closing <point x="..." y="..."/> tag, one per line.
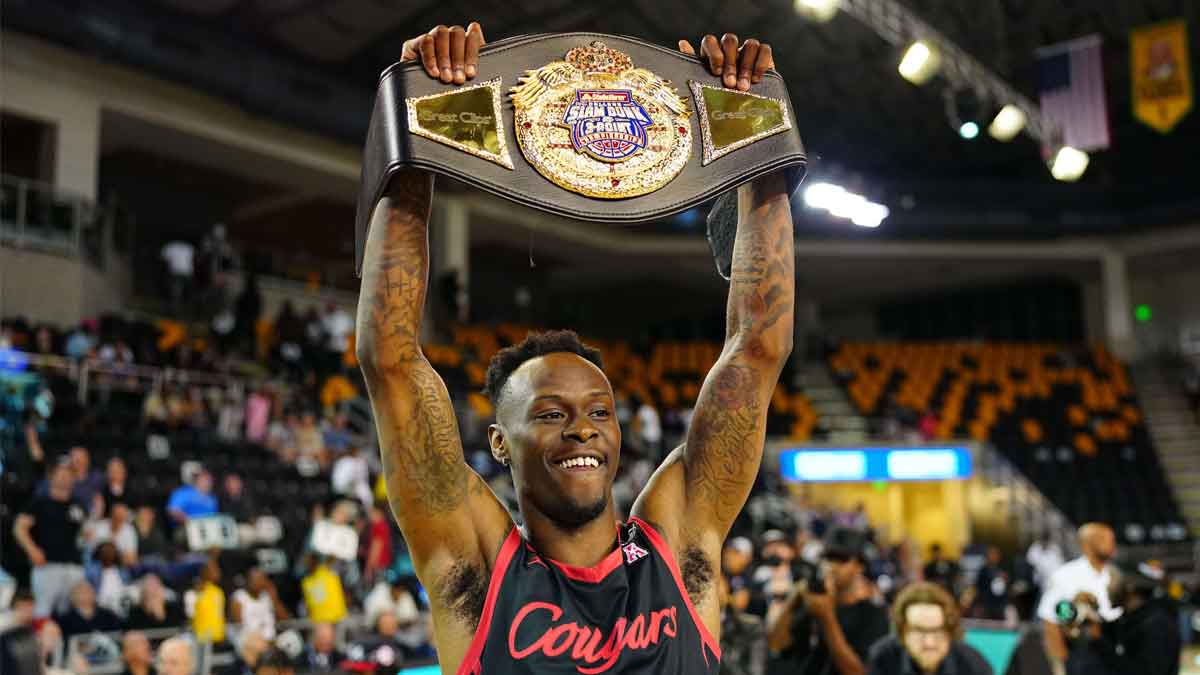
<point x="507" y="360"/>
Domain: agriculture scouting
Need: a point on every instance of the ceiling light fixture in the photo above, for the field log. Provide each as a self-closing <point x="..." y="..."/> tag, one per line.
<point x="841" y="203"/>
<point x="819" y="11"/>
<point x="920" y="62"/>
<point x="1068" y="164"/>
<point x="1007" y="124"/>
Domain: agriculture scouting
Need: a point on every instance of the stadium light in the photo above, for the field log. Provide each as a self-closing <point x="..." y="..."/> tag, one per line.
<point x="968" y="130"/>
<point x="1007" y="124"/>
<point x="1068" y="164"/>
<point x="920" y="62"/>
<point x="819" y="11"/>
<point x="841" y="203"/>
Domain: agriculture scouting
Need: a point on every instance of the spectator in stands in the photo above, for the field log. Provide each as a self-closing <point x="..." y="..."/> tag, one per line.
<point x="152" y="544"/>
<point x="338" y="325"/>
<point x="314" y="337"/>
<point x="831" y="629"/>
<point x="231" y="417"/>
<point x="247" y="309"/>
<point x="289" y="333"/>
<point x="251" y="650"/>
<point x="274" y="661"/>
<point x="391" y="597"/>
<point x="1044" y="556"/>
<point x="324" y="596"/>
<point x="336" y="436"/>
<point x="136" y="654"/>
<point x="928" y="426"/>
<point x="208" y="614"/>
<point x="258" y="415"/>
<point x="179" y="256"/>
<point x="84" y="615"/>
<point x="351" y="477"/>
<point x="154" y="610"/>
<point x="321" y="654"/>
<point x="116" y="529"/>
<point x="780" y="569"/>
<point x="990" y="599"/>
<point x="257" y="606"/>
<point x="80" y="342"/>
<point x="156" y="417"/>
<point x="47" y="529"/>
<point x="175" y="657"/>
<point x="115" y="487"/>
<point x="941" y="570"/>
<point x="1090" y="573"/>
<point x="235" y="501"/>
<point x="735" y="565"/>
<point x="928" y="639"/>
<point x="650" y="432"/>
<point x="193" y="501"/>
<point x="310" y="443"/>
<point x="109" y="578"/>
<point x="743" y="637"/>
<point x="379" y="541"/>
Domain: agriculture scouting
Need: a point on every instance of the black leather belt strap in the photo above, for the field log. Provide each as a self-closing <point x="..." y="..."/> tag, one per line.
<point x="391" y="145"/>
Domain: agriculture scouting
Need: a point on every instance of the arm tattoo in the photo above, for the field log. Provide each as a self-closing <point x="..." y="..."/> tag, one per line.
<point x="420" y="446"/>
<point x="725" y="442"/>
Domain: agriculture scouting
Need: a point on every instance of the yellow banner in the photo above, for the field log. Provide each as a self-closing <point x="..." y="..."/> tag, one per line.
<point x="1162" y="78"/>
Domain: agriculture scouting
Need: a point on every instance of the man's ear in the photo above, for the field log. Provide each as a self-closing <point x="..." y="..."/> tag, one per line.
<point x="496" y="442"/>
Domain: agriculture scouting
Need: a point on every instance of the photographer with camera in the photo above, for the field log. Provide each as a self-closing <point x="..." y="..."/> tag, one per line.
<point x="1090" y="573"/>
<point x="1143" y="640"/>
<point x="826" y="625"/>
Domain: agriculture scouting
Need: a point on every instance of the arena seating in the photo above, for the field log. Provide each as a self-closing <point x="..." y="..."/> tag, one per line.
<point x="1068" y="418"/>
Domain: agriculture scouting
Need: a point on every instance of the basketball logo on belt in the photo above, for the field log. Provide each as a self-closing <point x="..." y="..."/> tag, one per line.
<point x="592" y="123"/>
<point x="607" y="124"/>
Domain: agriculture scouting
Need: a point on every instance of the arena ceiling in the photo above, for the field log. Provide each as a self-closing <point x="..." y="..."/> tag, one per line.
<point x="862" y="123"/>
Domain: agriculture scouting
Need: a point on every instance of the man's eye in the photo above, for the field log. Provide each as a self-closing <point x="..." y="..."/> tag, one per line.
<point x="600" y="413"/>
<point x="552" y="415"/>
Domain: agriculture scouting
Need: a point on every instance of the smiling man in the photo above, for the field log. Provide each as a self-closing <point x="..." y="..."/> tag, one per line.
<point x="574" y="590"/>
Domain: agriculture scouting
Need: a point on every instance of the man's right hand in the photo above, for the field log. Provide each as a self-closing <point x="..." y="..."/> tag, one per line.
<point x="451" y="54"/>
<point x="37" y="557"/>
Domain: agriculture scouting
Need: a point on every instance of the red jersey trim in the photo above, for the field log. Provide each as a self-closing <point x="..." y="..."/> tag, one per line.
<point x="470" y="663"/>
<point x="594" y="574"/>
<point x="665" y="552"/>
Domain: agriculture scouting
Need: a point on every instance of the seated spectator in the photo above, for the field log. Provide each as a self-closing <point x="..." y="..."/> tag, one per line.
<point x="379" y="649"/>
<point x="351" y="477"/>
<point x="115" y="487"/>
<point x="175" y="657"/>
<point x="231" y="417"/>
<point x="84" y="615"/>
<point x="109" y="578"/>
<point x="309" y="441"/>
<point x="251" y="650"/>
<point x="379" y="544"/>
<point x="257" y="606"/>
<point x="156" y="416"/>
<point x="337" y="437"/>
<point x="321" y="654"/>
<point x="155" y="610"/>
<point x="116" y="529"/>
<point x="152" y="544"/>
<point x="928" y="639"/>
<point x="324" y="596"/>
<point x="193" y="501"/>
<point x="336" y="390"/>
<point x="281" y="437"/>
<point x="274" y="661"/>
<point x="391" y="598"/>
<point x="235" y="501"/>
<point x="208" y="614"/>
<point x="136" y="654"/>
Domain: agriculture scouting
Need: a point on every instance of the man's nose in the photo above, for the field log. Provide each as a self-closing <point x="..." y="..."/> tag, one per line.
<point x="582" y="431"/>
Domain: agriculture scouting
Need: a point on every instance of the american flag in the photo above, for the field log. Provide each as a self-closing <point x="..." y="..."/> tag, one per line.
<point x="1071" y="84"/>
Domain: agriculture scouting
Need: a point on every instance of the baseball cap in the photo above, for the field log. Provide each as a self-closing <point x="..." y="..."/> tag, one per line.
<point x="740" y="544"/>
<point x="772" y="536"/>
<point x="842" y="542"/>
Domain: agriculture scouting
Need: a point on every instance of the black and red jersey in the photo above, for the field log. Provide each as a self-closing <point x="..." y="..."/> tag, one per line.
<point x="629" y="614"/>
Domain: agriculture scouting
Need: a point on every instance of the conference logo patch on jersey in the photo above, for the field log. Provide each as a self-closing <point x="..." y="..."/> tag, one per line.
<point x="633" y="552"/>
<point x="607" y="124"/>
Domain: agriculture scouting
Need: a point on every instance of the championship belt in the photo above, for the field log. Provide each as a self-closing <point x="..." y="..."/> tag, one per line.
<point x="582" y="125"/>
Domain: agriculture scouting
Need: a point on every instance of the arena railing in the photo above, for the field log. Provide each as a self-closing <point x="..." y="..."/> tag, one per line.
<point x="39" y="216"/>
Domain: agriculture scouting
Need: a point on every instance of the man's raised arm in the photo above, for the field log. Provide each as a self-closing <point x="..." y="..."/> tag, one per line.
<point x="431" y="489"/>
<point x="725" y="441"/>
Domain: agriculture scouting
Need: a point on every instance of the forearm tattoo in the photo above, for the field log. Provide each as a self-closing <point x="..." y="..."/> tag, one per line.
<point x="724" y="447"/>
<point x="419" y="441"/>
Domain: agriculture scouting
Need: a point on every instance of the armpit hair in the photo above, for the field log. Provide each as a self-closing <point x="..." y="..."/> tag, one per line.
<point x="463" y="591"/>
<point x="696" y="570"/>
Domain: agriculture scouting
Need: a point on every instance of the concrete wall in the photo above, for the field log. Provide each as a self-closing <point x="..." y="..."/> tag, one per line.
<point x="52" y="288"/>
<point x="1173" y="295"/>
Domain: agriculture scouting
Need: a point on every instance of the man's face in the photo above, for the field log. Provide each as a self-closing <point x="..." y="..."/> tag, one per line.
<point x="135" y="649"/>
<point x="322" y="638"/>
<point x="116" y="470"/>
<point x="62" y="478"/>
<point x="233" y="485"/>
<point x="80" y="461"/>
<point x="926" y="638"/>
<point x="83" y="596"/>
<point x="204" y="482"/>
<point x="1104" y="544"/>
<point x="175" y="659"/>
<point x="120" y="515"/>
<point x="257" y="582"/>
<point x="145" y="517"/>
<point x="559" y="408"/>
<point x="841" y="571"/>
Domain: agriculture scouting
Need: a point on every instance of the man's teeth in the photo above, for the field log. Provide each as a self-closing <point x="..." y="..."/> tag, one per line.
<point x="579" y="461"/>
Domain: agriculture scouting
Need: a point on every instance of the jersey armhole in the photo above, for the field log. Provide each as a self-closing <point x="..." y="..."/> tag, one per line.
<point x="664" y="551"/>
<point x="470" y="663"/>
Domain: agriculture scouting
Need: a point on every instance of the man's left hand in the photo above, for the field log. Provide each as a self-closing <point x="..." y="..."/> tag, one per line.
<point x="820" y="605"/>
<point x="738" y="65"/>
